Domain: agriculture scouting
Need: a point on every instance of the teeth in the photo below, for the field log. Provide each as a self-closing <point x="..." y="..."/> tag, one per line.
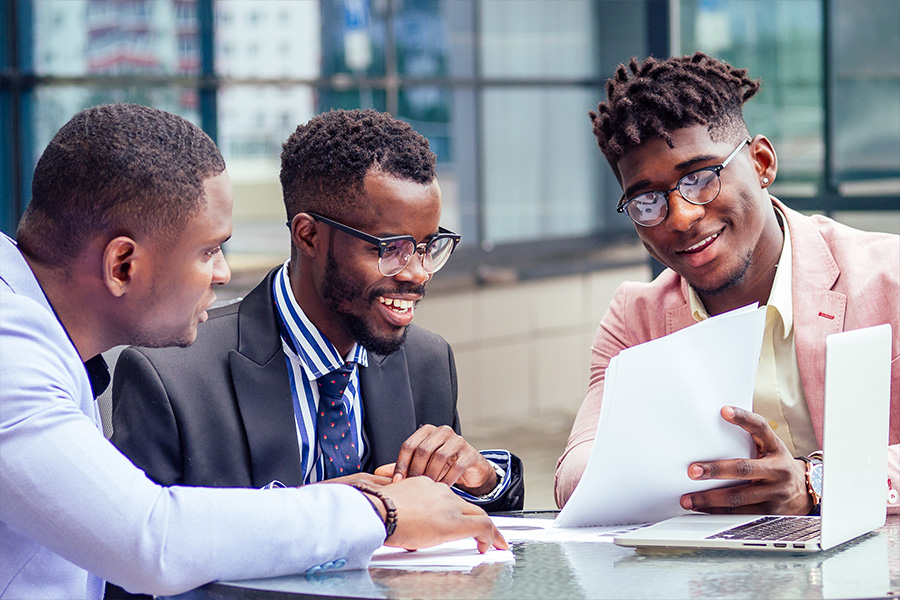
<point x="702" y="242"/>
<point x="397" y="303"/>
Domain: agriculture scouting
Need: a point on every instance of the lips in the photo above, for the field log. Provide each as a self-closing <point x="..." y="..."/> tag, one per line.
<point x="701" y="245"/>
<point x="204" y="314"/>
<point x="397" y="311"/>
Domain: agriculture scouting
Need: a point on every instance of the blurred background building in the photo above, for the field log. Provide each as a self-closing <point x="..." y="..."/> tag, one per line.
<point x="501" y="88"/>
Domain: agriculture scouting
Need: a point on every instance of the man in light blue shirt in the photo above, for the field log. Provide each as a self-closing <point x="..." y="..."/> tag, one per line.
<point x="121" y="244"/>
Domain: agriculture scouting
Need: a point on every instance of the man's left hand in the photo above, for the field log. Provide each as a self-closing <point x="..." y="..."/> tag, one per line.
<point x="775" y="480"/>
<point x="442" y="455"/>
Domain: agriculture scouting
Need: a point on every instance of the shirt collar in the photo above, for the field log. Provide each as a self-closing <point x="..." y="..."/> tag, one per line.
<point x="779" y="298"/>
<point x="313" y="351"/>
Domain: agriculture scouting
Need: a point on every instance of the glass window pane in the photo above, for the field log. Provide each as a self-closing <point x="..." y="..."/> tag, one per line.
<point x="434" y="38"/>
<point x="353" y="34"/>
<point x="254" y="122"/>
<point x="539" y="38"/>
<point x="866" y="96"/>
<point x="541" y="175"/>
<point x="781" y="43"/>
<point x="446" y="117"/>
<point x="268" y="39"/>
<point x="85" y="37"/>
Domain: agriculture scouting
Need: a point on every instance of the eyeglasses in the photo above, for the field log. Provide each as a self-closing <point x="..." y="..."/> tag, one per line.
<point x="697" y="187"/>
<point x="395" y="252"/>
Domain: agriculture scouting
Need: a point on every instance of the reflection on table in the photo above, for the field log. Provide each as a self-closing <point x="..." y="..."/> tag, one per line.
<point x="863" y="568"/>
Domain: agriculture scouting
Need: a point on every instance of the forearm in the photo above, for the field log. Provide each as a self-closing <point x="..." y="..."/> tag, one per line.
<point x="104" y="515"/>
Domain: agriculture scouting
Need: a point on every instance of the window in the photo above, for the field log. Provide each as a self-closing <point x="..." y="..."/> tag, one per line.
<point x="500" y="88"/>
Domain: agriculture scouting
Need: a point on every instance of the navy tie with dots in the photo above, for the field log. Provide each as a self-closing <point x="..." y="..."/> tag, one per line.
<point x="333" y="425"/>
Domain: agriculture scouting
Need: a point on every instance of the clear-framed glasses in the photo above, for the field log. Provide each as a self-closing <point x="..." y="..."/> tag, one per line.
<point x="697" y="187"/>
<point x="395" y="252"/>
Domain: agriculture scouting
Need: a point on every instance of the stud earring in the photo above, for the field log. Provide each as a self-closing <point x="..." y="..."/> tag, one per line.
<point x="765" y="181"/>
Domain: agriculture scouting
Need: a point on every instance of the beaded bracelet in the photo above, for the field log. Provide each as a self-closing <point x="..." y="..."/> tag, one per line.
<point x="390" y="519"/>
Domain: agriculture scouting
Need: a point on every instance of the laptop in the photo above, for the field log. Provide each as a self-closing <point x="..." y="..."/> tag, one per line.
<point x="854" y="478"/>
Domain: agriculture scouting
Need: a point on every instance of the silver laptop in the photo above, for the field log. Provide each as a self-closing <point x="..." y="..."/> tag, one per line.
<point x="854" y="478"/>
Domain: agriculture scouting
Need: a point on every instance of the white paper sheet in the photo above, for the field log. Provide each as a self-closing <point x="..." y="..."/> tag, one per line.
<point x="452" y="556"/>
<point x="516" y="529"/>
<point x="660" y="413"/>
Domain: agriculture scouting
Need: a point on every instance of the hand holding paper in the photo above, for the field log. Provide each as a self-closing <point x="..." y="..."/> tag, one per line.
<point x="660" y="413"/>
<point x="779" y="480"/>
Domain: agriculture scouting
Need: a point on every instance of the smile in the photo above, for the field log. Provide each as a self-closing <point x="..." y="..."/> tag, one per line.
<point x="701" y="244"/>
<point x="397" y="304"/>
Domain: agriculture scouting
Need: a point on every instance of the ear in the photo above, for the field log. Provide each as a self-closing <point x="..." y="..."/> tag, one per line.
<point x="118" y="264"/>
<point x="306" y="235"/>
<point x="764" y="159"/>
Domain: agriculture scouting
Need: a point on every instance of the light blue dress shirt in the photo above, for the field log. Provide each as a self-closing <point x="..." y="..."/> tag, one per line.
<point x="75" y="512"/>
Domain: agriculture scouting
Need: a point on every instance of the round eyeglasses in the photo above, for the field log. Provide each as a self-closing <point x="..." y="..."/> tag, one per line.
<point x="395" y="252"/>
<point x="697" y="187"/>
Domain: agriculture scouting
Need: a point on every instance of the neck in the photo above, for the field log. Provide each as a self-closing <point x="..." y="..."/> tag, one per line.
<point x="74" y="307"/>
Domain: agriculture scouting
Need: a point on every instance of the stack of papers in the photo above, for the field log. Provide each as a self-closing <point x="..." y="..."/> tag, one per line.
<point x="458" y="555"/>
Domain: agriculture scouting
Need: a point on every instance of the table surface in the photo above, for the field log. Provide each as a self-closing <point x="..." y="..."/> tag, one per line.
<point x="863" y="568"/>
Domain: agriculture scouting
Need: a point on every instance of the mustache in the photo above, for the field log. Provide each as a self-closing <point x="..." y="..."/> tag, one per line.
<point x="418" y="290"/>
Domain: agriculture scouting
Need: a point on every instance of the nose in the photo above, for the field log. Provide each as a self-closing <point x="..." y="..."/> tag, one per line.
<point x="682" y="214"/>
<point x="221" y="270"/>
<point x="414" y="272"/>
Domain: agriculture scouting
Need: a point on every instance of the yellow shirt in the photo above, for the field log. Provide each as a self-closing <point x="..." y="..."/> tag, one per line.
<point x="778" y="394"/>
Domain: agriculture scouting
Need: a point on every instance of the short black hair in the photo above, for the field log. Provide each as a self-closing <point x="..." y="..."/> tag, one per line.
<point x="661" y="96"/>
<point x="116" y="169"/>
<point x="324" y="162"/>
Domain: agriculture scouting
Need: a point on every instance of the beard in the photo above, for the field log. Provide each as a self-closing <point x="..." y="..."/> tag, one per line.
<point x="154" y="338"/>
<point x="340" y="293"/>
<point x="735" y="279"/>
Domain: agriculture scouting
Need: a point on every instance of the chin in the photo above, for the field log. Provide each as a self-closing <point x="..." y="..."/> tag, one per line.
<point x="149" y="340"/>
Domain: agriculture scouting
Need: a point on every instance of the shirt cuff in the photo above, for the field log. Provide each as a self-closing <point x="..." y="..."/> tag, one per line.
<point x="501" y="461"/>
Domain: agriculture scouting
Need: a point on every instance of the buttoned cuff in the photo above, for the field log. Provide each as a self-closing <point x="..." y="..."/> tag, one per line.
<point x="501" y="461"/>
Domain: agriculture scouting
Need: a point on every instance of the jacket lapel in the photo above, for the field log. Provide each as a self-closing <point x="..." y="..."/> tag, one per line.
<point x="387" y="405"/>
<point x="261" y="385"/>
<point x="818" y="310"/>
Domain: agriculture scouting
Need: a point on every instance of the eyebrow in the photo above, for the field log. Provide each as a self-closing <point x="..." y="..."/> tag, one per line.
<point x="682" y="166"/>
<point x="425" y="239"/>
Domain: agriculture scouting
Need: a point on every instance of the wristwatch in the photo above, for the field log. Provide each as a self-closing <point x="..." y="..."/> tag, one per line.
<point x="814" y="467"/>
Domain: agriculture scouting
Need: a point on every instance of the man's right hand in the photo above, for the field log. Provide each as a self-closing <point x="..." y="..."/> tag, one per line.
<point x="429" y="514"/>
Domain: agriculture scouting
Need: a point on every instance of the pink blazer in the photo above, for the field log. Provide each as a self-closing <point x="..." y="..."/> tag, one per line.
<point x="843" y="279"/>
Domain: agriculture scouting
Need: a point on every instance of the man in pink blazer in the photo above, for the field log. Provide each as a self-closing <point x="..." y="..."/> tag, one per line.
<point x="677" y="125"/>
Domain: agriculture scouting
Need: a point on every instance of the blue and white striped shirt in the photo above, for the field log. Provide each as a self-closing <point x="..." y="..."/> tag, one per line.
<point x="311" y="355"/>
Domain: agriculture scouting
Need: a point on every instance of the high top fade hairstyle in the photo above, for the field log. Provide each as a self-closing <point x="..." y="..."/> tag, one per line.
<point x="324" y="162"/>
<point x="661" y="96"/>
<point x="117" y="169"/>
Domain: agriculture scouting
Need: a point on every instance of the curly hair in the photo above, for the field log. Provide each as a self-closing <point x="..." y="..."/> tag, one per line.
<point x="324" y="162"/>
<point x="664" y="95"/>
<point x="117" y="169"/>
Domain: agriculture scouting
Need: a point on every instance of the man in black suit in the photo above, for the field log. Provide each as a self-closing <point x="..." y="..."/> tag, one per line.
<point x="238" y="407"/>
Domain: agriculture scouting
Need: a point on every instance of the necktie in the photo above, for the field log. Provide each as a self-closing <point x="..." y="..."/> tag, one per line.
<point x="333" y="425"/>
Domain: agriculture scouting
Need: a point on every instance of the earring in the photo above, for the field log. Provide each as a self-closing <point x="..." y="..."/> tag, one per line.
<point x="765" y="181"/>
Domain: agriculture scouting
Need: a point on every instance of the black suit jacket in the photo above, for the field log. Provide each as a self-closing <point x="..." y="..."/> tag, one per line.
<point x="219" y="413"/>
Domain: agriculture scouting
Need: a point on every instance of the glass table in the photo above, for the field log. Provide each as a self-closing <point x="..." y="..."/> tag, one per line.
<point x="863" y="568"/>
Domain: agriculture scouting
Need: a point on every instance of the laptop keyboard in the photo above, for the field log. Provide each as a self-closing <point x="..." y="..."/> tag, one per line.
<point x="790" y="529"/>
